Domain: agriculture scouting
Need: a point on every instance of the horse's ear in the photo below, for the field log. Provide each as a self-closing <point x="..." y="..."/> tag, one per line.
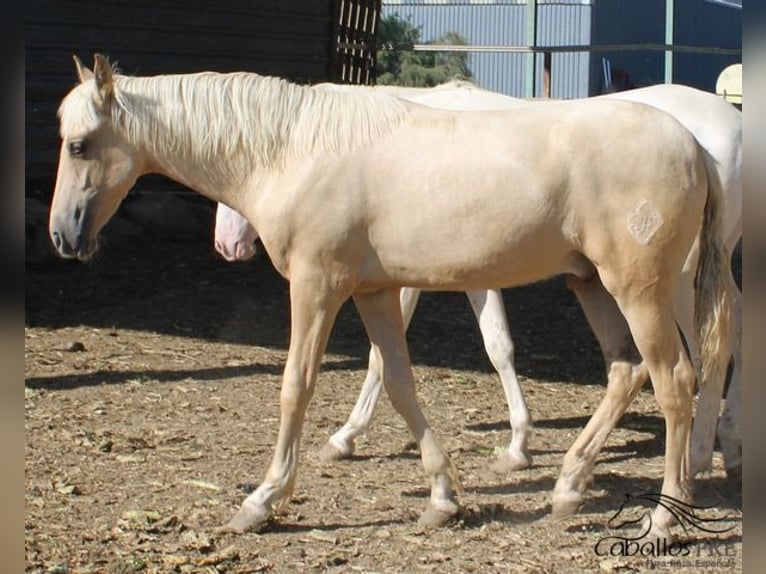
<point x="82" y="71"/>
<point x="102" y="72"/>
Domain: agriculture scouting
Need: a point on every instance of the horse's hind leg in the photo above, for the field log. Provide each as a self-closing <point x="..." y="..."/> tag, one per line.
<point x="730" y="427"/>
<point x="381" y="317"/>
<point x="626" y="375"/>
<point x="708" y="406"/>
<point x="493" y="323"/>
<point x="341" y="444"/>
<point x="709" y="402"/>
<point x="649" y="313"/>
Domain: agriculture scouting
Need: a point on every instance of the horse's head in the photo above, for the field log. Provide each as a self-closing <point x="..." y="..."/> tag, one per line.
<point x="97" y="164"/>
<point x="234" y="236"/>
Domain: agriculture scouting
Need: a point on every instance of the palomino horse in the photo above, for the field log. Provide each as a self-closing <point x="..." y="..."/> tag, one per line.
<point x="716" y="124"/>
<point x="357" y="194"/>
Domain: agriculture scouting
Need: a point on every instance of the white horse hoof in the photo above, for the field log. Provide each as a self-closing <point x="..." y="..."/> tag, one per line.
<point x="700" y="467"/>
<point x="248" y="518"/>
<point x="436" y="516"/>
<point x="660" y="534"/>
<point x="511" y="461"/>
<point x="331" y="452"/>
<point x="566" y="504"/>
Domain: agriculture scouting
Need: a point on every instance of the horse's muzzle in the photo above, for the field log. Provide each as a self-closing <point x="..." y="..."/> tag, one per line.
<point x="81" y="248"/>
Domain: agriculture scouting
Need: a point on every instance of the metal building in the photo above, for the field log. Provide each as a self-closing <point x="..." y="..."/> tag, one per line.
<point x="503" y="23"/>
<point x="496" y="27"/>
<point x="694" y="23"/>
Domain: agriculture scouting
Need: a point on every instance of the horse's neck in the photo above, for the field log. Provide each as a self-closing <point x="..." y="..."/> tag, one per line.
<point x="208" y="145"/>
<point x="213" y="132"/>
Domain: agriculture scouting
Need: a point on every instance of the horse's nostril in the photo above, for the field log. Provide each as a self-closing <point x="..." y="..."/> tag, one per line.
<point x="77" y="214"/>
<point x="56" y="237"/>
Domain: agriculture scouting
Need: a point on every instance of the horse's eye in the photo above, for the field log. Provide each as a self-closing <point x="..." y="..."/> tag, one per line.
<point x="77" y="148"/>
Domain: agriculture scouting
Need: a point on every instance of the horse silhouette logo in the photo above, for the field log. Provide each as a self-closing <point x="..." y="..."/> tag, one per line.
<point x="629" y="535"/>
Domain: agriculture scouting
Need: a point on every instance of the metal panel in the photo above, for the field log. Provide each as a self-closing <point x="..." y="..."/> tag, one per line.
<point x="628" y="22"/>
<point x="696" y="23"/>
<point x="700" y="23"/>
<point x="503" y="23"/>
<point x="565" y="24"/>
<point x="480" y="24"/>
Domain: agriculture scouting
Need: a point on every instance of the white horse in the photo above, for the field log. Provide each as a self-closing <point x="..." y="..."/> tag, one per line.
<point x="716" y="124"/>
<point x="357" y="194"/>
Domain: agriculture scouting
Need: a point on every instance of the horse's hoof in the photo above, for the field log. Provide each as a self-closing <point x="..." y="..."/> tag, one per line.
<point x="701" y="463"/>
<point x="247" y="518"/>
<point x="434" y="516"/>
<point x="331" y="452"/>
<point x="511" y="461"/>
<point x="566" y="504"/>
<point x="659" y="534"/>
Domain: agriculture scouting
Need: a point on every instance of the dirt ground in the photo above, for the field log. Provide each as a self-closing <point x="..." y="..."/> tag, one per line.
<point x="152" y="383"/>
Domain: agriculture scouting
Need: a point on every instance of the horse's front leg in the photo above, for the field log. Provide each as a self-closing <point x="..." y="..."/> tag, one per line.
<point x="382" y="319"/>
<point x="314" y="306"/>
<point x="341" y="444"/>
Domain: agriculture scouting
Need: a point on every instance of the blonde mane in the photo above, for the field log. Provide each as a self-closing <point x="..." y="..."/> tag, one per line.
<point x="245" y="118"/>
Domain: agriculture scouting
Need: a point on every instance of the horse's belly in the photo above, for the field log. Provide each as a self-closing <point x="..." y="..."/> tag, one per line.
<point x="463" y="262"/>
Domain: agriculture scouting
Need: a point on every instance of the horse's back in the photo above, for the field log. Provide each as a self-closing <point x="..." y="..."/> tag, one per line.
<point x="522" y="191"/>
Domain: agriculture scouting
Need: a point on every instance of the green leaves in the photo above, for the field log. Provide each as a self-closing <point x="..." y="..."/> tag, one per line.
<point x="398" y="64"/>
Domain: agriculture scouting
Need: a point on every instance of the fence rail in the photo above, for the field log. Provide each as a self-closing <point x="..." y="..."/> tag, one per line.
<point x="543" y="49"/>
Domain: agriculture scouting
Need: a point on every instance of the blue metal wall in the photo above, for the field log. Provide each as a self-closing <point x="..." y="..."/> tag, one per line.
<point x="580" y="22"/>
<point x="696" y="23"/>
<point x="628" y="22"/>
<point x="699" y="23"/>
<point x="565" y="23"/>
<point x="503" y="23"/>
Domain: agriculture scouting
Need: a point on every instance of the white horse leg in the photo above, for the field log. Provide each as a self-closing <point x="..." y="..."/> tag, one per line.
<point x="380" y="313"/>
<point x="341" y="444"/>
<point x="626" y="375"/>
<point x="313" y="311"/>
<point x="729" y="427"/>
<point x="493" y="322"/>
<point x="709" y="401"/>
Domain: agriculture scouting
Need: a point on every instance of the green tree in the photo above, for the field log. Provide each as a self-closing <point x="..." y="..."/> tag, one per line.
<point x="398" y="65"/>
